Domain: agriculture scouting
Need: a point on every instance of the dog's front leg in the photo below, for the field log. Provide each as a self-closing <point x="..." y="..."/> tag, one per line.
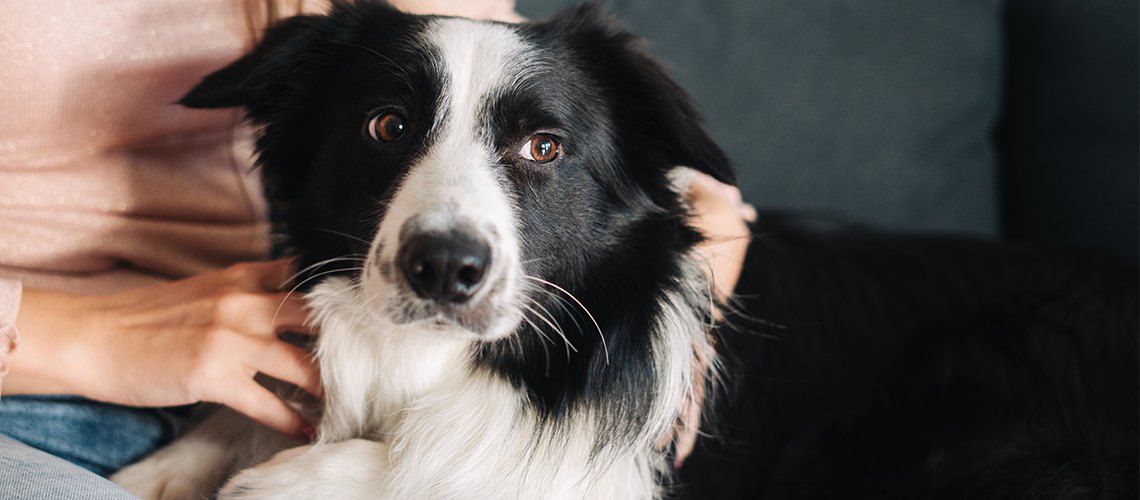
<point x="193" y="466"/>
<point x="355" y="468"/>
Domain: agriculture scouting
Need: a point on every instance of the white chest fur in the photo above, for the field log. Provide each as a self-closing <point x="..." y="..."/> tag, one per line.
<point x="373" y="370"/>
<point x="447" y="428"/>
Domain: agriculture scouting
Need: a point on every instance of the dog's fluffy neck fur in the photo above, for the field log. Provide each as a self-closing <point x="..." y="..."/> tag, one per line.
<point x="455" y="429"/>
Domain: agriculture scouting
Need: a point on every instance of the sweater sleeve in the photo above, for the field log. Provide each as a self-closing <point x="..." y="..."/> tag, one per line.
<point x="10" y="293"/>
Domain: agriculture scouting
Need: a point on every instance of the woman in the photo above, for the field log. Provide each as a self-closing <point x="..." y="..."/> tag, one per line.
<point x="133" y="236"/>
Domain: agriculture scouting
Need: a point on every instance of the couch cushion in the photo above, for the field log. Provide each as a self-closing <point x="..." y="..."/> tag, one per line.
<point x="1070" y="166"/>
<point x="877" y="110"/>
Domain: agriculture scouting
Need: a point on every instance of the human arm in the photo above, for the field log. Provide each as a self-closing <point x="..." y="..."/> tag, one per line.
<point x="197" y="339"/>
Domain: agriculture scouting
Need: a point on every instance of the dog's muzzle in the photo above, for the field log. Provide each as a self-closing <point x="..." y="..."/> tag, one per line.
<point x="447" y="268"/>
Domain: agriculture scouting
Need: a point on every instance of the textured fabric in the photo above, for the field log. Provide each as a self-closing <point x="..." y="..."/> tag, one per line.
<point x="879" y="110"/>
<point x="30" y="474"/>
<point x="99" y="437"/>
<point x="105" y="184"/>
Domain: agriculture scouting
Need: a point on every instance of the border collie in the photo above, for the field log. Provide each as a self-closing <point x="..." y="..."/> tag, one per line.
<point x="496" y="253"/>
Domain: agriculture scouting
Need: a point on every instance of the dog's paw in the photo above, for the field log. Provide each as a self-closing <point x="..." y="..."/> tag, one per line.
<point x="264" y="482"/>
<point x="159" y="479"/>
<point x="187" y="469"/>
<point x="248" y="484"/>
<point x="280" y="477"/>
<point x="348" y="469"/>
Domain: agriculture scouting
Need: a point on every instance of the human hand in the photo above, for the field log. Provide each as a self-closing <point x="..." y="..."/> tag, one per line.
<point x="496" y="10"/>
<point x="9" y="303"/>
<point x="7" y="346"/>
<point x="720" y="214"/>
<point x="197" y="339"/>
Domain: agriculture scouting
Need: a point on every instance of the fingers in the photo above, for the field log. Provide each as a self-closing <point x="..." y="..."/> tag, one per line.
<point x="291" y="364"/>
<point x="703" y="186"/>
<point x="256" y="402"/>
<point x="272" y="275"/>
<point x="291" y="314"/>
<point x="689" y="421"/>
<point x="233" y="385"/>
<point x="748" y="212"/>
<point x="261" y="314"/>
<point x="711" y="199"/>
<point x="718" y="212"/>
<point x="724" y="261"/>
<point x="276" y="358"/>
<point x="278" y="274"/>
<point x="244" y="305"/>
<point x="8" y="338"/>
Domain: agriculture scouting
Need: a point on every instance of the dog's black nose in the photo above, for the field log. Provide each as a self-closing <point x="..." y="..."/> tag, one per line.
<point x="446" y="268"/>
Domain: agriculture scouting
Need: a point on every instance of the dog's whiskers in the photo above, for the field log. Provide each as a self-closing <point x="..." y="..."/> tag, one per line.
<point x="569" y="346"/>
<point x="601" y="335"/>
<point x="562" y="304"/>
<point x="545" y="350"/>
<point x="349" y="258"/>
<point x="558" y="328"/>
<point x="532" y="325"/>
<point x="302" y="283"/>
<point x="346" y="235"/>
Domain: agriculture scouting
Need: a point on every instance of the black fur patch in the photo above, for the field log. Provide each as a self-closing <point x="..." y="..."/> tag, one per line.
<point x="873" y="365"/>
<point x="312" y="85"/>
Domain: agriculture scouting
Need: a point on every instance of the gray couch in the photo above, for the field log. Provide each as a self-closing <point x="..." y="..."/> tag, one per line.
<point x="1015" y="119"/>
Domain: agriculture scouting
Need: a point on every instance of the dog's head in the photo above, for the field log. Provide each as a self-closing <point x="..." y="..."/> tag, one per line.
<point x="470" y="176"/>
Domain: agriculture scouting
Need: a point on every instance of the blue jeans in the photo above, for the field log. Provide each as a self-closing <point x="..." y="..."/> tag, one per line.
<point x="99" y="437"/>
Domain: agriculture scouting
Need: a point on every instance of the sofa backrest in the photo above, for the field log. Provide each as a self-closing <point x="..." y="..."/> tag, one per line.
<point x="886" y="111"/>
<point x="877" y="110"/>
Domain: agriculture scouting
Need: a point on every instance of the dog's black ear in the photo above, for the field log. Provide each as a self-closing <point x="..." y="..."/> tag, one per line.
<point x="276" y="83"/>
<point x="645" y="99"/>
<point x="279" y="67"/>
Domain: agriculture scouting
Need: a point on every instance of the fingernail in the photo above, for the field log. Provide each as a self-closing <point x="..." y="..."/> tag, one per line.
<point x="677" y="464"/>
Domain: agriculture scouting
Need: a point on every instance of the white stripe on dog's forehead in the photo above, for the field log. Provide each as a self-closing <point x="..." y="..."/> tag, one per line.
<point x="458" y="182"/>
<point x="457" y="178"/>
<point x="480" y="61"/>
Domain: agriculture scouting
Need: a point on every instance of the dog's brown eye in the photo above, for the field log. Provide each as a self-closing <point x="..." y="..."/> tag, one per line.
<point x="387" y="127"/>
<point x="541" y="148"/>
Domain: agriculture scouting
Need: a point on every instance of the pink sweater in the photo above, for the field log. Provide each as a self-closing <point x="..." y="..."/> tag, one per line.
<point x="104" y="184"/>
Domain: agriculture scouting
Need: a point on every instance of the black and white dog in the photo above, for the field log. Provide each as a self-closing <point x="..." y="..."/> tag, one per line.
<point x="497" y="257"/>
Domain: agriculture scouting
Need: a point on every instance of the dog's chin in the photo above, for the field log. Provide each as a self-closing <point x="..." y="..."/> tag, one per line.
<point x="478" y="321"/>
<point x="444" y="326"/>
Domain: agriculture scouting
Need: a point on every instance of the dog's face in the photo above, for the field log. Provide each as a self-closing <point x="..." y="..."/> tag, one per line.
<point x="472" y="177"/>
